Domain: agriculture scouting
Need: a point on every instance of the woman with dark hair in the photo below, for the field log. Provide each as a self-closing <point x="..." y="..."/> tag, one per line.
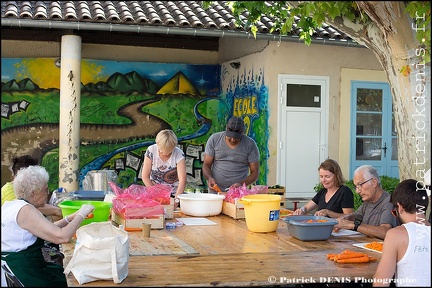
<point x="334" y="199"/>
<point x="8" y="193"/>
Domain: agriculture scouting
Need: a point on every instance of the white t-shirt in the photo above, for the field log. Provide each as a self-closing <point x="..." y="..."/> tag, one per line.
<point x="164" y="172"/>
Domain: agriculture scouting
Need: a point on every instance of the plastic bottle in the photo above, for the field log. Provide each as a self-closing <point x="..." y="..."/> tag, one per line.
<point x="170" y="225"/>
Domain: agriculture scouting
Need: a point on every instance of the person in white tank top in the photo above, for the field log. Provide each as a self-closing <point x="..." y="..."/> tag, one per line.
<point x="406" y="255"/>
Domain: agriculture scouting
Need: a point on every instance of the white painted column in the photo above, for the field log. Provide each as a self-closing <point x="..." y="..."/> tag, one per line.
<point x="70" y="94"/>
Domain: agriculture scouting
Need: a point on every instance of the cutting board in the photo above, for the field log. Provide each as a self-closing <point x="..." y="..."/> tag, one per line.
<point x="160" y="242"/>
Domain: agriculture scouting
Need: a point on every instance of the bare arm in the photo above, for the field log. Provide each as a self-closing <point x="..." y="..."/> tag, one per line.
<point x="332" y="214"/>
<point x="306" y="208"/>
<point x="146" y="170"/>
<point x="347" y="211"/>
<point x="387" y="265"/>
<point x="340" y="219"/>
<point x="206" y="169"/>
<point x="253" y="175"/>
<point x="35" y="222"/>
<point x="50" y="210"/>
<point x="374" y="231"/>
<point x="349" y="217"/>
<point x="181" y="174"/>
<point x="370" y="230"/>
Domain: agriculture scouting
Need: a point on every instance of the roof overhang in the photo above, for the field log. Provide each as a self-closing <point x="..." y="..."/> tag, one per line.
<point x="51" y="30"/>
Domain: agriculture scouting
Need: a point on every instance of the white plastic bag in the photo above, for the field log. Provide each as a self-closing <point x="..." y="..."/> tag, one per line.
<point x="101" y="253"/>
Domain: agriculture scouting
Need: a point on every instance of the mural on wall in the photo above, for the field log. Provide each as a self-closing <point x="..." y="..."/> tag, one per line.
<point x="123" y="106"/>
<point x="247" y="93"/>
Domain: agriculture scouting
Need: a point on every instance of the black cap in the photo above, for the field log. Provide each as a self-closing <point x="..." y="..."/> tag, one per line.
<point x="235" y="127"/>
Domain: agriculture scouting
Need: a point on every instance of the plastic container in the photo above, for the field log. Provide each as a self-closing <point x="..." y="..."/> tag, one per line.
<point x="101" y="212"/>
<point x="300" y="228"/>
<point x="201" y="204"/>
<point x="261" y="212"/>
<point x="88" y="195"/>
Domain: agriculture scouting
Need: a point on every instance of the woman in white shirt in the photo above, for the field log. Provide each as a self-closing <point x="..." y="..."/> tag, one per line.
<point x="164" y="163"/>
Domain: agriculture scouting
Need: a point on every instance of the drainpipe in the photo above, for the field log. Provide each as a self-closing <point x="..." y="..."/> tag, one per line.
<point x="70" y="99"/>
<point x="47" y="24"/>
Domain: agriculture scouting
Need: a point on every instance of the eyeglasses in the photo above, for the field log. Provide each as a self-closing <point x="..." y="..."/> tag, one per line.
<point x="360" y="185"/>
<point x="394" y="212"/>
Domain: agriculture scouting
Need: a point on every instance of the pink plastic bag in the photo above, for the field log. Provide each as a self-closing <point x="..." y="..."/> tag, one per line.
<point x="138" y="201"/>
<point x="259" y="189"/>
<point x="159" y="192"/>
<point x="239" y="192"/>
<point x="135" y="209"/>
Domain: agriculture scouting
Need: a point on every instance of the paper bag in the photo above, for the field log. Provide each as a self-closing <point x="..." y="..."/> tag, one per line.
<point x="101" y="253"/>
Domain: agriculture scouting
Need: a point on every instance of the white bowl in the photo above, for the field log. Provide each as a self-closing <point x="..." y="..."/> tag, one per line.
<point x="201" y="204"/>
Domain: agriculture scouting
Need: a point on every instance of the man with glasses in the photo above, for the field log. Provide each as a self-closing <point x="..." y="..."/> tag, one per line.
<point x="231" y="158"/>
<point x="373" y="217"/>
<point x="406" y="255"/>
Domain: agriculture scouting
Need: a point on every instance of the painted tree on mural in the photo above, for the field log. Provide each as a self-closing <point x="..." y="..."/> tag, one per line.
<point x="398" y="32"/>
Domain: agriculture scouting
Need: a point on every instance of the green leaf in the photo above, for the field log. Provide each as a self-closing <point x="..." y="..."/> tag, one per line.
<point x="254" y="30"/>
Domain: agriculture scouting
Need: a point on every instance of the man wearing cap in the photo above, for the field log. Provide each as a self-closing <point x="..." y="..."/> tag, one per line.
<point x="231" y="158"/>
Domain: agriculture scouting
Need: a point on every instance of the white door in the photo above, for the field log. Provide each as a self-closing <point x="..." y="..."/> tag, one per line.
<point x="302" y="132"/>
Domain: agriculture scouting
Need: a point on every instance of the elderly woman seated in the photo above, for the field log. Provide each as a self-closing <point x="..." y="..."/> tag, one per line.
<point x="24" y="229"/>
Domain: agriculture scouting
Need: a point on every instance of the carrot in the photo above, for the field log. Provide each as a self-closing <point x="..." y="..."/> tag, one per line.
<point x="351" y="255"/>
<point x="314" y="221"/>
<point x="216" y="188"/>
<point x="363" y="259"/>
<point x="89" y="216"/>
<point x="349" y="251"/>
<point x="132" y="229"/>
<point x="330" y="255"/>
<point x="375" y="246"/>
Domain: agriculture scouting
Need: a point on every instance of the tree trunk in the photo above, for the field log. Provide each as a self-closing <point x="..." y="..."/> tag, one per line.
<point x="391" y="36"/>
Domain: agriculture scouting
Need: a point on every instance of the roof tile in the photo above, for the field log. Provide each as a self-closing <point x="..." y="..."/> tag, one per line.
<point x="26" y="10"/>
<point x="185" y="14"/>
<point x="70" y="10"/>
<point x="11" y="9"/>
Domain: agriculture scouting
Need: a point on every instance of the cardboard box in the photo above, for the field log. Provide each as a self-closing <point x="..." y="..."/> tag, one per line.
<point x="157" y="221"/>
<point x="279" y="191"/>
<point x="234" y="210"/>
<point x="169" y="210"/>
